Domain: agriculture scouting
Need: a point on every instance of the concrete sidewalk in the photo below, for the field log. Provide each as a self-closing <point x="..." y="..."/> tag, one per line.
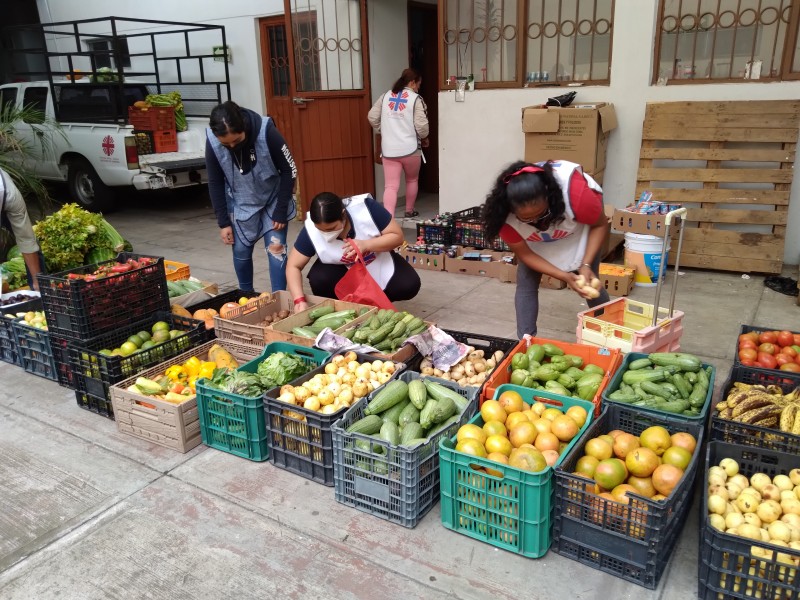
<point x="89" y="513"/>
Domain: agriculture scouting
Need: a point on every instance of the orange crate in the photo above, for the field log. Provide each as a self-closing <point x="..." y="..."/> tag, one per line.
<point x="605" y="358"/>
<point x="155" y="118"/>
<point x="165" y="140"/>
<point x="176" y="270"/>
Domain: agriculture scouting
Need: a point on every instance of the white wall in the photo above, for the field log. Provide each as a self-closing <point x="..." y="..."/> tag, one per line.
<point x="240" y="18"/>
<point x="480" y="136"/>
<point x="388" y="56"/>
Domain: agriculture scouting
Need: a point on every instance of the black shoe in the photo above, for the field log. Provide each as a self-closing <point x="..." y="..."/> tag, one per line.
<point x="413" y="213"/>
<point x="782" y="285"/>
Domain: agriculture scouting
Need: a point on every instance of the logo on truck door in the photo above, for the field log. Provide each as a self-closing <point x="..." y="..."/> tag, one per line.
<point x="108" y="145"/>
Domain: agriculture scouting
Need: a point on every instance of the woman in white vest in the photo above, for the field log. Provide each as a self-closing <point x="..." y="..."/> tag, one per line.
<point x="329" y="223"/>
<point x="400" y="117"/>
<point x="551" y="216"/>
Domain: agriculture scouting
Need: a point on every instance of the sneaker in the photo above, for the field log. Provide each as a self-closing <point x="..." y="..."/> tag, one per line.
<point x="413" y="213"/>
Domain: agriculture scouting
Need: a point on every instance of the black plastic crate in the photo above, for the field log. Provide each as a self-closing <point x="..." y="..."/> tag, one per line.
<point x="217" y="301"/>
<point x="748" y="329"/>
<point x="61" y="356"/>
<point x="96" y="404"/>
<point x="634" y="541"/>
<point x="33" y="347"/>
<point x="87" y="359"/>
<point x="304" y="446"/>
<point x="745" y="434"/>
<point x="435" y="234"/>
<point x="728" y="566"/>
<point x="83" y="310"/>
<point x="8" y="342"/>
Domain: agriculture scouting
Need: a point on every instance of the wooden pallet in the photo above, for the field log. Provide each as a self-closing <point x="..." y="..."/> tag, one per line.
<point x="730" y="164"/>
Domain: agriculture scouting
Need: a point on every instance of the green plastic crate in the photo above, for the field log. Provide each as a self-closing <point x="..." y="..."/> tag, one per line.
<point x="616" y="381"/>
<point x="512" y="512"/>
<point x="235" y="423"/>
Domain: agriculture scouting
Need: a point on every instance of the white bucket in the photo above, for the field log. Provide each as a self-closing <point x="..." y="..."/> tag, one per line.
<point x="643" y="253"/>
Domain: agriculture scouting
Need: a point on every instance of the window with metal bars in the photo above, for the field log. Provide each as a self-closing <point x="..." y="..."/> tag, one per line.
<point x="701" y="41"/>
<point x="515" y="43"/>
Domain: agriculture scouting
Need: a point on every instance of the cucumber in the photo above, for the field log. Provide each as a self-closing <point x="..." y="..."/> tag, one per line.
<point x="320" y="311"/>
<point x="368" y="425"/>
<point x="384" y="346"/>
<point x="410" y="414"/>
<point x="374" y="323"/>
<point x="398" y="330"/>
<point x="687" y="362"/>
<point x="639" y="363"/>
<point x="654" y="389"/>
<point x="634" y="377"/>
<point x="390" y="432"/>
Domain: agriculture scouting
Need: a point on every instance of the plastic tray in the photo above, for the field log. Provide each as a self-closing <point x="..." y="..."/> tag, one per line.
<point x="8" y="341"/>
<point x="727" y="567"/>
<point x="410" y="488"/>
<point x="746" y="434"/>
<point x="616" y="381"/>
<point x="176" y="271"/>
<point x="235" y="423"/>
<point x="244" y="325"/>
<point x="153" y="119"/>
<point x="96" y="404"/>
<point x="633" y="542"/>
<point x="487" y="343"/>
<point x="627" y="325"/>
<point x="511" y="512"/>
<point x="175" y="426"/>
<point x="61" y="356"/>
<point x="468" y="230"/>
<point x="33" y="348"/>
<point x="605" y="358"/>
<point x="82" y="310"/>
<point x="300" y="440"/>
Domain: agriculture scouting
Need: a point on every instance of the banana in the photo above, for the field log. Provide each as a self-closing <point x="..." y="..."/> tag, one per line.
<point x="796" y="426"/>
<point x="755" y="415"/>
<point x="788" y="416"/>
<point x="721" y="406"/>
<point x="755" y="399"/>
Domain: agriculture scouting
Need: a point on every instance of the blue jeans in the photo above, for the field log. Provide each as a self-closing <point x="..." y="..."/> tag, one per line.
<point x="526" y="298"/>
<point x="275" y="246"/>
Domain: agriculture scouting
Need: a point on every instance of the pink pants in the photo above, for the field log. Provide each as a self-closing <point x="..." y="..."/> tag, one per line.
<point x="392" y="169"/>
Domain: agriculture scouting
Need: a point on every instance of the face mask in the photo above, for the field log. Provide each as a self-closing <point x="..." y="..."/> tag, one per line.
<point x="330" y="236"/>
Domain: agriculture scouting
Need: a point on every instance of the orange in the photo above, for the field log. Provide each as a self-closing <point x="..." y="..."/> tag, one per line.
<point x="498" y="443"/>
<point x="656" y="438"/>
<point x="546" y="441"/>
<point x="492" y="410"/>
<point x="684" y="440"/>
<point x="677" y="457"/>
<point x="528" y="459"/>
<point x="610" y="473"/>
<point x="532" y="416"/>
<point x="551" y="413"/>
<point x="471" y="431"/>
<point x="471" y="447"/>
<point x="599" y="448"/>
<point x="522" y="433"/>
<point x="497" y="457"/>
<point x="494" y="428"/>
<point x="586" y="466"/>
<point x="538" y="407"/>
<point x="577" y="414"/>
<point x="515" y="418"/>
<point x="564" y="428"/>
<point x="542" y="425"/>
<point x="511" y="401"/>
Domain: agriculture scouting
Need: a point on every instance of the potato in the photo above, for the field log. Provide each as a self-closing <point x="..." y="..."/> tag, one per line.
<point x="427" y="370"/>
<point x="469" y="369"/>
<point x="462" y="381"/>
<point x="498" y="356"/>
<point x="490" y="364"/>
<point x="283" y="314"/>
<point x="457" y="372"/>
<point x="438" y="372"/>
<point x="480" y="377"/>
<point x="475" y="355"/>
<point x="447" y="376"/>
<point x="426" y="363"/>
<point x="479" y="366"/>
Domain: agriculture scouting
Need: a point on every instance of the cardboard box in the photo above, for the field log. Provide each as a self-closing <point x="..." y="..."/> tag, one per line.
<point x="496" y="268"/>
<point x="630" y="222"/>
<point x="427" y="262"/>
<point x="576" y="133"/>
<point x="551" y="283"/>
<point x="616" y="284"/>
<point x="614" y="240"/>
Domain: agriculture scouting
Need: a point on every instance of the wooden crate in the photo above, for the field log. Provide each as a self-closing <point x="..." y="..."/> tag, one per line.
<point x="711" y="155"/>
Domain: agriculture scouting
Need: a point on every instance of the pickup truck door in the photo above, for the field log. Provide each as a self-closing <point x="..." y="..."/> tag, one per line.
<point x="41" y="136"/>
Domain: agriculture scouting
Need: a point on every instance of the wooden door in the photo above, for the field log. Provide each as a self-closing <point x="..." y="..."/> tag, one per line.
<point x="275" y="65"/>
<point x="423" y="47"/>
<point x="328" y="75"/>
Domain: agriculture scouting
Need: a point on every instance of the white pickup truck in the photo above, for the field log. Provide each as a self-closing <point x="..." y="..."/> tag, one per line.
<point x="96" y="157"/>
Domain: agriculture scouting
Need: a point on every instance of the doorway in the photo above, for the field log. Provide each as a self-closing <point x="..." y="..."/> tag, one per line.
<point x="423" y="48"/>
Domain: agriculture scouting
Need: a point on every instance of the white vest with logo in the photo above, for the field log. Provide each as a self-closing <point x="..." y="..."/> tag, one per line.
<point x="398" y="133"/>
<point x="381" y="268"/>
<point x="562" y="244"/>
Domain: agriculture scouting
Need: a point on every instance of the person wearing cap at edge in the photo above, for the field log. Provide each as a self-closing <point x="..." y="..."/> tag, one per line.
<point x="329" y="223"/>
<point x="251" y="175"/>
<point x="551" y="216"/>
<point x="14" y="214"/>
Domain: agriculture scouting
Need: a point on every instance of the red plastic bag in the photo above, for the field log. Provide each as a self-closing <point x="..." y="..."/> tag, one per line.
<point x="360" y="287"/>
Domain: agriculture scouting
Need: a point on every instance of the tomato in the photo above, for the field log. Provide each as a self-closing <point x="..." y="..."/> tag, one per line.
<point x="767" y="348"/>
<point x="796" y="339"/>
<point x="768" y="337"/>
<point x="748" y="354"/>
<point x="767" y="360"/>
<point x="749" y="363"/>
<point x="782" y="359"/>
<point x="747" y="343"/>
<point x="752" y="335"/>
<point x="788" y="350"/>
<point x="785" y="338"/>
<point x="790" y="366"/>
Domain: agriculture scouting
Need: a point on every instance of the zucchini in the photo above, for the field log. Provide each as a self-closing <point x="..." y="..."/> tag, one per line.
<point x="410" y="414"/>
<point x="412" y="431"/>
<point x="683" y="388"/>
<point x="639" y="363"/>
<point x="675" y="406"/>
<point x="320" y="311"/>
<point x="398" y="330"/>
<point x="445" y="409"/>
<point x="393" y="414"/>
<point x="654" y="389"/>
<point x="414" y="442"/>
<point x="368" y="425"/>
<point x="381" y="334"/>
<point x="669" y="386"/>
<point x="634" y="377"/>
<point x="427" y="414"/>
<point x="392" y="393"/>
<point x="304" y="332"/>
<point x="698" y="396"/>
<point x="318" y="326"/>
<point x="390" y="432"/>
<point x="439" y="392"/>
<point x="687" y="362"/>
<point x="418" y="393"/>
<point x="624" y="397"/>
<point x="342" y="314"/>
<point x="373" y="324"/>
<point x="444" y="427"/>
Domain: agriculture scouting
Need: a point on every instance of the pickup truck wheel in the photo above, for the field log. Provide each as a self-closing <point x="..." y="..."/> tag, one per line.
<point x="86" y="187"/>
